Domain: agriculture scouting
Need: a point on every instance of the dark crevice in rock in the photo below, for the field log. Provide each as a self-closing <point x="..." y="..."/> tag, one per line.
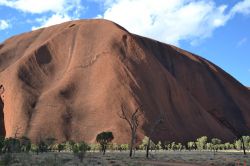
<point x="2" y="125"/>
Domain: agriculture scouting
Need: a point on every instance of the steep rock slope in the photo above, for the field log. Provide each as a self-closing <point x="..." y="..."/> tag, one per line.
<point x="69" y="81"/>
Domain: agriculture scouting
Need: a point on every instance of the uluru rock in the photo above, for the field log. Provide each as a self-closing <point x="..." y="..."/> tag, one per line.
<point x="69" y="81"/>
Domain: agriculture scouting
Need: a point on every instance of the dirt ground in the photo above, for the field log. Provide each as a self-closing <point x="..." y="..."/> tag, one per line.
<point x="115" y="158"/>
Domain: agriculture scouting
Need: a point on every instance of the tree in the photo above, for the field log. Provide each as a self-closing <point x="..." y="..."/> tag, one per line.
<point x="191" y="145"/>
<point x="133" y="121"/>
<point x="156" y="123"/>
<point x="104" y="138"/>
<point x="79" y="149"/>
<point x="158" y="146"/>
<point x="215" y="142"/>
<point x="201" y="142"/>
<point x="224" y="122"/>
<point x="238" y="144"/>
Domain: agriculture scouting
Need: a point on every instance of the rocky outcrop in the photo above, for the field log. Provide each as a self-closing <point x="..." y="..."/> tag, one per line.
<point x="69" y="81"/>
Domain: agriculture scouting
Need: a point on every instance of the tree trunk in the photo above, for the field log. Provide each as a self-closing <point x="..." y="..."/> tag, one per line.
<point x="132" y="144"/>
<point x="131" y="147"/>
<point x="148" y="146"/>
<point x="243" y="145"/>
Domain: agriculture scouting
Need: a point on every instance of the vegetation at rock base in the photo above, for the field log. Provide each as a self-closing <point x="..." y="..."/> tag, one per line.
<point x="10" y="147"/>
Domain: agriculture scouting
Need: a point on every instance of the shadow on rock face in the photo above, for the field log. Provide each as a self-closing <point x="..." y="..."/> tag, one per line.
<point x="2" y="125"/>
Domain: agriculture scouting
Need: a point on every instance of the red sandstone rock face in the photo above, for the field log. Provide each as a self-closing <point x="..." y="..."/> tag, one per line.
<point x="68" y="82"/>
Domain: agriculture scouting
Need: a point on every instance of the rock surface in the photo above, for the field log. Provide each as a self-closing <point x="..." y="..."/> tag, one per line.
<point x="69" y="81"/>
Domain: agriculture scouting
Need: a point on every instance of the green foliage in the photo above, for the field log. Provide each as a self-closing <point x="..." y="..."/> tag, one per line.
<point x="79" y="149"/>
<point x="144" y="143"/>
<point x="60" y="147"/>
<point x="104" y="138"/>
<point x="246" y="140"/>
<point x="191" y="145"/>
<point x="238" y="144"/>
<point x="95" y="147"/>
<point x="216" y="143"/>
<point x="158" y="146"/>
<point x="69" y="145"/>
<point x="179" y="146"/>
<point x="209" y="146"/>
<point x="173" y="146"/>
<point x="50" y="142"/>
<point x="34" y="148"/>
<point x="123" y="147"/>
<point x="25" y="144"/>
<point x="11" y="145"/>
<point x="201" y="142"/>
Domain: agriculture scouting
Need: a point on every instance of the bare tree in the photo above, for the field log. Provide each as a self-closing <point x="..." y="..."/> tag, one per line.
<point x="224" y="122"/>
<point x="156" y="123"/>
<point x="133" y="120"/>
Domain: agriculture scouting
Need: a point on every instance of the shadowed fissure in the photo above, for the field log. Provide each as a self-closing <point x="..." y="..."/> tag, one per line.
<point x="2" y="126"/>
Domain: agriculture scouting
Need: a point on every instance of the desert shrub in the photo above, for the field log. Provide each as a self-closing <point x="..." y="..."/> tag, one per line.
<point x="60" y="147"/>
<point x="238" y="144"/>
<point x="201" y="142"/>
<point x="216" y="143"/>
<point x="50" y="142"/>
<point x="191" y="145"/>
<point x="173" y="146"/>
<point x="179" y="146"/>
<point x="25" y="144"/>
<point x="123" y="147"/>
<point x="42" y="146"/>
<point x="94" y="147"/>
<point x="34" y="148"/>
<point x="246" y="140"/>
<point x="69" y="145"/>
<point x="158" y="146"/>
<point x="79" y="150"/>
<point x="11" y="145"/>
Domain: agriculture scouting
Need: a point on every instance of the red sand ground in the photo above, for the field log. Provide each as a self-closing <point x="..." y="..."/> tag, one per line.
<point x="68" y="81"/>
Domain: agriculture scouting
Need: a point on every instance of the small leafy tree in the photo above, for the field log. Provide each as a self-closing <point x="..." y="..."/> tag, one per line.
<point x="79" y="149"/>
<point x="69" y="145"/>
<point x="173" y="146"/>
<point x="158" y="146"/>
<point x="238" y="144"/>
<point x="191" y="145"/>
<point x="201" y="142"/>
<point x="216" y="142"/>
<point x="104" y="138"/>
